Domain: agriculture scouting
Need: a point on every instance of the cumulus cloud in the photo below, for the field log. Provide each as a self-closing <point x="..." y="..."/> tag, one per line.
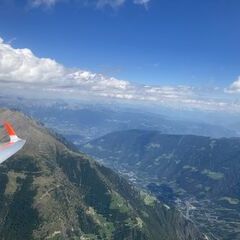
<point x="234" y="87"/>
<point x="20" y="68"/>
<point x="20" y="65"/>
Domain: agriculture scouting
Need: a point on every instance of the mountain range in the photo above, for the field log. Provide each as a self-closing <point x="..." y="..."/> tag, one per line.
<point x="199" y="175"/>
<point x="80" y="122"/>
<point x="49" y="190"/>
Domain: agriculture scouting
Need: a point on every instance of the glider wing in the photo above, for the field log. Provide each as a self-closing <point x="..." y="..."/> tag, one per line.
<point x="14" y="145"/>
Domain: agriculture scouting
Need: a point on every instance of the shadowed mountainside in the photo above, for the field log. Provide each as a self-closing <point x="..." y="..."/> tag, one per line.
<point x="199" y="173"/>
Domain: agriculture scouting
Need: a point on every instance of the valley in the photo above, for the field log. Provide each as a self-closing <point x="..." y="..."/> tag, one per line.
<point x="199" y="175"/>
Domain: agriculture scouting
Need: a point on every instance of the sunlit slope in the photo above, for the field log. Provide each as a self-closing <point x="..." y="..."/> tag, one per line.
<point x="49" y="191"/>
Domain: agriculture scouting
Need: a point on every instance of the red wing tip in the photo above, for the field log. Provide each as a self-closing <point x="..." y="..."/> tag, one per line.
<point x="8" y="127"/>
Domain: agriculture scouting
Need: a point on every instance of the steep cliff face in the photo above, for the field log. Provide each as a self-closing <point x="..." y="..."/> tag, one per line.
<point x="50" y="191"/>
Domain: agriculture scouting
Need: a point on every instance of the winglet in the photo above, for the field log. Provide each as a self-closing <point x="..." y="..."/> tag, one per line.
<point x="9" y="129"/>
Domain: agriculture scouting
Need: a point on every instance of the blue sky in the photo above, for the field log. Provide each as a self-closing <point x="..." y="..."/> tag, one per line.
<point x="151" y="42"/>
<point x="192" y="42"/>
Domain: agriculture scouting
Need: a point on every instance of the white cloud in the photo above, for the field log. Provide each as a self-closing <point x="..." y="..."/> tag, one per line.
<point x="21" y="65"/>
<point x="118" y="3"/>
<point x="98" y="3"/>
<point x="234" y="87"/>
<point x="141" y="2"/>
<point x="20" y="68"/>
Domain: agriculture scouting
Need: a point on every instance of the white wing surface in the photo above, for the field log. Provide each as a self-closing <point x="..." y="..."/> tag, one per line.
<point x="14" y="145"/>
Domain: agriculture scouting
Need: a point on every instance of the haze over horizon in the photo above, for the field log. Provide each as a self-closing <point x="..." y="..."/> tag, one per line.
<point x="182" y="56"/>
